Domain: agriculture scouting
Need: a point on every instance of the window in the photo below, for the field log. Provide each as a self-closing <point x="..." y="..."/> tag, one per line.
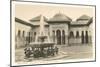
<point x="77" y="34"/>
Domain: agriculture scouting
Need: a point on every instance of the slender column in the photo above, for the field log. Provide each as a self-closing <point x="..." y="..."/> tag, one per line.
<point x="55" y="37"/>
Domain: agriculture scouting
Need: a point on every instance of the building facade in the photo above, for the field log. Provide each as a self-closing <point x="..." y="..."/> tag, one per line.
<point x="61" y="30"/>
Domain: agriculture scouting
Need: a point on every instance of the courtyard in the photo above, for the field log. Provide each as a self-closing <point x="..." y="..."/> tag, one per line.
<point x="82" y="51"/>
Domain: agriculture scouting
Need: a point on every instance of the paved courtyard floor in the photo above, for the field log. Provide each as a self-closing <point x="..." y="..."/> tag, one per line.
<point x="65" y="53"/>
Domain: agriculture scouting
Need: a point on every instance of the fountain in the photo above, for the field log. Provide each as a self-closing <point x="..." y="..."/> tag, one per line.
<point x="40" y="41"/>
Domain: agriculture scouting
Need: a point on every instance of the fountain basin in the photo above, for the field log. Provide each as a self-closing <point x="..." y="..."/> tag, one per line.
<point x="41" y="44"/>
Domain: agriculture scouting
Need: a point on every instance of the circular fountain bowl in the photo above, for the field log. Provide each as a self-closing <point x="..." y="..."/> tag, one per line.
<point x="41" y="44"/>
<point x="43" y="36"/>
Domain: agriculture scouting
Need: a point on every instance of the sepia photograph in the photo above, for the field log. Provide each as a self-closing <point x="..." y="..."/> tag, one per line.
<point x="52" y="33"/>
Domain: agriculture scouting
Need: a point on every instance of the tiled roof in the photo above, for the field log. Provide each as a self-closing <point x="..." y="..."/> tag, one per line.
<point x="28" y="23"/>
<point x="84" y="17"/>
<point x="23" y="22"/>
<point x="60" y="17"/>
<point x="82" y="22"/>
<point x="37" y="18"/>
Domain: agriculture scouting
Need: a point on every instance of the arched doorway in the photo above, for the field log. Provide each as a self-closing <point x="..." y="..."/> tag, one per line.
<point x="86" y="37"/>
<point x="77" y="34"/>
<point x="71" y="34"/>
<point x="82" y="37"/>
<point x="34" y="36"/>
<point x="19" y="33"/>
<point x="63" y="37"/>
<point x="58" y="32"/>
<point x="29" y="35"/>
<point x="53" y="35"/>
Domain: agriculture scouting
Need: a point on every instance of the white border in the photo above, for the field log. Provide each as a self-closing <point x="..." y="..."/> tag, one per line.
<point x="13" y="31"/>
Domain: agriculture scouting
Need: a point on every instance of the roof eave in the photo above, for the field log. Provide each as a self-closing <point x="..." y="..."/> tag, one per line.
<point x="23" y="22"/>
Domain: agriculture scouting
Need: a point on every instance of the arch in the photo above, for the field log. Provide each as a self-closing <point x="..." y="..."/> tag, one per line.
<point x="82" y="37"/>
<point x="29" y="37"/>
<point x="34" y="33"/>
<point x="71" y="34"/>
<point x="34" y="36"/>
<point x="58" y="32"/>
<point x="63" y="37"/>
<point x="19" y="33"/>
<point x="77" y="34"/>
<point x="53" y="34"/>
<point x="23" y="34"/>
<point x="86" y="37"/>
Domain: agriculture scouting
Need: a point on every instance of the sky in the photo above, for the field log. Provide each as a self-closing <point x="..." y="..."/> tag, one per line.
<point x="28" y="11"/>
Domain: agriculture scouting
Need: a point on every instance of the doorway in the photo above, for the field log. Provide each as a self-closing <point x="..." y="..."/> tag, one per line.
<point x="58" y="37"/>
